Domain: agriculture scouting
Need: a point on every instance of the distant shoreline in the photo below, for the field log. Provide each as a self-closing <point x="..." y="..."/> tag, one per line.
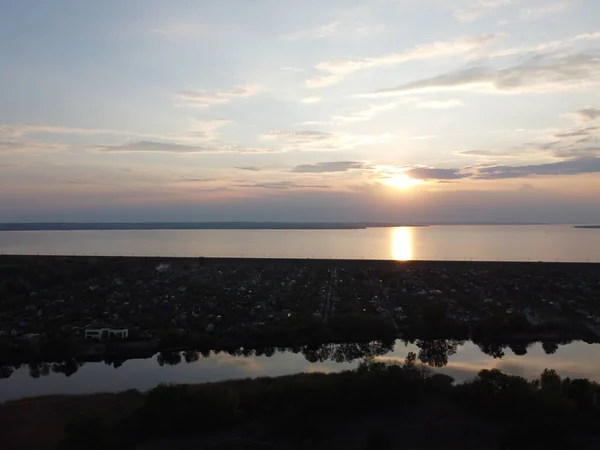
<point x="115" y="226"/>
<point x="587" y="227"/>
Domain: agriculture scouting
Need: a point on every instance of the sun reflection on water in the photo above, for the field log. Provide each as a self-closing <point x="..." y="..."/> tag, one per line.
<point x="402" y="244"/>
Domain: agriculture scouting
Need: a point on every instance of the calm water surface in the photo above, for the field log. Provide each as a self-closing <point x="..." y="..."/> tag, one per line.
<point x="576" y="360"/>
<point x="484" y="243"/>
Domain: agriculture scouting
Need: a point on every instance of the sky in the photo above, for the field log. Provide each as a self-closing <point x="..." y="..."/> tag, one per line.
<point x="300" y="110"/>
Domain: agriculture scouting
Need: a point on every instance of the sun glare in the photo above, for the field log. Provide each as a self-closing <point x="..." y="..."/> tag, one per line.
<point x="402" y="244"/>
<point x="401" y="181"/>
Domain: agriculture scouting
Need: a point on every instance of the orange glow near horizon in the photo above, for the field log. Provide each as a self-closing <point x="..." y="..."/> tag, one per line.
<point x="402" y="244"/>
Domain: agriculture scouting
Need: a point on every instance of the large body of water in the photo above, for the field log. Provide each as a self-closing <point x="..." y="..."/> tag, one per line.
<point x="576" y="360"/>
<point x="470" y="242"/>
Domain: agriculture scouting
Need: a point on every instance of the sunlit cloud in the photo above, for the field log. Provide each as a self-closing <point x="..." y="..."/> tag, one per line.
<point x="337" y="69"/>
<point x="313" y="99"/>
<point x="204" y="99"/>
<point x="367" y="113"/>
<point x="322" y="140"/>
<point x="328" y="167"/>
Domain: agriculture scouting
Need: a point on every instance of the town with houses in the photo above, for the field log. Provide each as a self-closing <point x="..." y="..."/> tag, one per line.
<point x="201" y="300"/>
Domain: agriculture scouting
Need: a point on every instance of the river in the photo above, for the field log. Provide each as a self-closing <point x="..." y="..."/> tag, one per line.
<point x="462" y="362"/>
<point x="470" y="242"/>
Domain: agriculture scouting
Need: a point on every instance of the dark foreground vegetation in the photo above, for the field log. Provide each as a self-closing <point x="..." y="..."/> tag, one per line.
<point x="377" y="406"/>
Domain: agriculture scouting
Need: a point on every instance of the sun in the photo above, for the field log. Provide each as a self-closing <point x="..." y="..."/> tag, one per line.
<point x="401" y="181"/>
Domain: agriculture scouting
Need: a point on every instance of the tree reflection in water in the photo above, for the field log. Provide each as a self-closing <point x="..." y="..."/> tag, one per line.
<point x="431" y="352"/>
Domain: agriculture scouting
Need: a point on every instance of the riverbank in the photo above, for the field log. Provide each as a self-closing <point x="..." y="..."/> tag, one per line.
<point x="375" y="406"/>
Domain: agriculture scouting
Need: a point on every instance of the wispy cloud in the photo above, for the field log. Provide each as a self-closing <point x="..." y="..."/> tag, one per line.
<point x="319" y="32"/>
<point x="336" y="70"/>
<point x="542" y="73"/>
<point x="207" y="129"/>
<point x="167" y="147"/>
<point x="204" y="99"/>
<point x="577" y="132"/>
<point x="28" y="146"/>
<point x="335" y="28"/>
<point x="328" y="167"/>
<point x="322" y="140"/>
<point x="283" y="185"/>
<point x="549" y="8"/>
<point x="588" y="114"/>
<point x="478" y="9"/>
<point x="545" y="46"/>
<point x="195" y="180"/>
<point x="250" y="168"/>
<point x="365" y="113"/>
<point x="570" y="167"/>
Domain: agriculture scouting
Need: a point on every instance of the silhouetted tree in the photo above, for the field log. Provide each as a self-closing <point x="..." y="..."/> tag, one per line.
<point x="436" y="352"/>
<point x="494" y="349"/>
<point x="550" y="347"/>
<point x="519" y="348"/>
<point x="169" y="358"/>
<point x="191" y="356"/>
<point x="6" y="372"/>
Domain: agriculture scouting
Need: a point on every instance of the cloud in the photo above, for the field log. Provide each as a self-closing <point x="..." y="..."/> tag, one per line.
<point x="207" y="129"/>
<point x="250" y="168"/>
<point x="336" y="70"/>
<point x="335" y="28"/>
<point x="27" y="146"/>
<point x="570" y="167"/>
<point x="328" y="167"/>
<point x="479" y="9"/>
<point x="204" y="99"/>
<point x="552" y="8"/>
<point x="320" y="32"/>
<point x="441" y="104"/>
<point x="539" y="74"/>
<point x="313" y="99"/>
<point x="167" y="147"/>
<point x="427" y="173"/>
<point x="322" y="140"/>
<point x="490" y="154"/>
<point x="577" y="152"/>
<point x="545" y="46"/>
<point x="588" y="114"/>
<point x="577" y="132"/>
<point x="283" y="185"/>
<point x="195" y="180"/>
<point x="366" y="113"/>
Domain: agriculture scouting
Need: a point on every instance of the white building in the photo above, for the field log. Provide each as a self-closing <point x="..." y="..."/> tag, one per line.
<point x="102" y="333"/>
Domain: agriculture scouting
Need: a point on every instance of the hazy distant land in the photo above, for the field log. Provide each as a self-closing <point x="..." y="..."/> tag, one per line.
<point x="587" y="226"/>
<point x="66" y="226"/>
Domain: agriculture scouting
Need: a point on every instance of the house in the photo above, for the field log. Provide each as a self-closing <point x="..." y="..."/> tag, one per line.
<point x="103" y="333"/>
